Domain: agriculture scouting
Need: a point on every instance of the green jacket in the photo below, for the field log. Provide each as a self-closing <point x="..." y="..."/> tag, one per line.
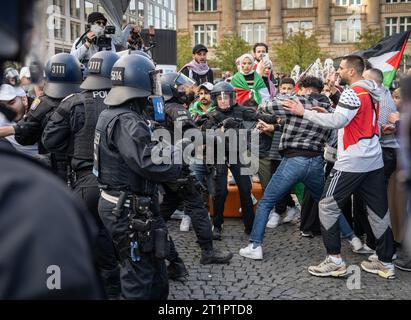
<point x="196" y="111"/>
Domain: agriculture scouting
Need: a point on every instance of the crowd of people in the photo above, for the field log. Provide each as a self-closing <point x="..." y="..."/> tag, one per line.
<point x="337" y="135"/>
<point x="327" y="149"/>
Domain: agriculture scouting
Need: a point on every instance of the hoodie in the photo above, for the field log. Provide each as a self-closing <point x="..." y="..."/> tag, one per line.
<point x="356" y="117"/>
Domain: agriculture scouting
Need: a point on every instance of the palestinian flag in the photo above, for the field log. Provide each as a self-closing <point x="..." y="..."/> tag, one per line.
<point x="259" y="91"/>
<point x="387" y="54"/>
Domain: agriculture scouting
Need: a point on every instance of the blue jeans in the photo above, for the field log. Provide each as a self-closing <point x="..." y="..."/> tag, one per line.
<point x="309" y="171"/>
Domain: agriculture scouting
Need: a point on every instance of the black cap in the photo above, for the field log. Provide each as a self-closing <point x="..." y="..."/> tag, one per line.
<point x="95" y="16"/>
<point x="199" y="47"/>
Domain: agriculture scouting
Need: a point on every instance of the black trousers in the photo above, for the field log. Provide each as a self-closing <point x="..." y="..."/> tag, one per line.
<point x="244" y="187"/>
<point x="143" y="280"/>
<point x="371" y="186"/>
<point x="87" y="188"/>
<point x="194" y="207"/>
<point x="361" y="224"/>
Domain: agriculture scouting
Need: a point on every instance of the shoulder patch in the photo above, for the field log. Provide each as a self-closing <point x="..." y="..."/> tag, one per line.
<point x="35" y="104"/>
<point x="68" y="97"/>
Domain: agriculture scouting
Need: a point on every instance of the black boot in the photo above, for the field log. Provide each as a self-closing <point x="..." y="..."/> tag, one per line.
<point x="177" y="271"/>
<point x="215" y="256"/>
<point x="217" y="234"/>
<point x="403" y="264"/>
<point x="112" y="285"/>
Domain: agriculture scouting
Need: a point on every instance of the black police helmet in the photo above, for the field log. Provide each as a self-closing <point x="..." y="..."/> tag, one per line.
<point x="132" y="76"/>
<point x="226" y="88"/>
<point x="173" y="84"/>
<point x="63" y="76"/>
<point x="99" y="71"/>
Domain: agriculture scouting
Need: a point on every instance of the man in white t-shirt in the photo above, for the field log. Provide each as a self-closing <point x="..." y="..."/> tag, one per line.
<point x="359" y="168"/>
<point x="12" y="98"/>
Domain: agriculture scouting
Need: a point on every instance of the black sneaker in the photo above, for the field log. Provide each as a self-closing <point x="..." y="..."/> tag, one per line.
<point x="404" y="265"/>
<point x="177" y="271"/>
<point x="307" y="234"/>
<point x="215" y="256"/>
<point x="217" y="234"/>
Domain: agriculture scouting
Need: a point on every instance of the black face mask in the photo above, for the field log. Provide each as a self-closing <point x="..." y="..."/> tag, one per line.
<point x="187" y="99"/>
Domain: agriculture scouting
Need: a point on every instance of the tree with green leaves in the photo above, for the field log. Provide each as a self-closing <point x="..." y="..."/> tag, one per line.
<point x="184" y="50"/>
<point x="227" y="52"/>
<point x="297" y="49"/>
<point x="368" y="39"/>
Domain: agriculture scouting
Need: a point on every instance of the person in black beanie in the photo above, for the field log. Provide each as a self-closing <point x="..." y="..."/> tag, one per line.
<point x="86" y="46"/>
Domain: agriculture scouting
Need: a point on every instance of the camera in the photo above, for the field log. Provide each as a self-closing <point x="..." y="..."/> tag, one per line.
<point x="104" y="41"/>
<point x="109" y="30"/>
<point x="136" y="40"/>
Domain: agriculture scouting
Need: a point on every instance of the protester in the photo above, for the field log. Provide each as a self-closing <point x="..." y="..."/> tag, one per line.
<point x="198" y="69"/>
<point x="359" y="168"/>
<point x="249" y="86"/>
<point x="15" y="99"/>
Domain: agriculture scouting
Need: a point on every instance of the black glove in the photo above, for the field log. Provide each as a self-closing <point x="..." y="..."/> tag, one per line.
<point x="230" y="123"/>
<point x="28" y="131"/>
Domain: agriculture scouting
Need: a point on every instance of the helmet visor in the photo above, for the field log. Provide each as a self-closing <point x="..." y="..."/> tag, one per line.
<point x="184" y="84"/>
<point x="223" y="99"/>
<point x="156" y="82"/>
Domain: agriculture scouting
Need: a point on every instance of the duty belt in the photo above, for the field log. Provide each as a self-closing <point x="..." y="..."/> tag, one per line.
<point x="113" y="199"/>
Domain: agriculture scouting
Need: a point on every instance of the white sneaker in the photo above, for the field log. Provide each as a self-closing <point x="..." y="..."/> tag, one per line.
<point x="374" y="257"/>
<point x="292" y="214"/>
<point x="365" y="250"/>
<point x="251" y="253"/>
<point x="255" y="201"/>
<point x="185" y="224"/>
<point x="356" y="244"/>
<point x="273" y="220"/>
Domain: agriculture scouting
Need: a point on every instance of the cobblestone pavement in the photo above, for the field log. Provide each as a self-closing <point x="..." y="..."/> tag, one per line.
<point x="281" y="275"/>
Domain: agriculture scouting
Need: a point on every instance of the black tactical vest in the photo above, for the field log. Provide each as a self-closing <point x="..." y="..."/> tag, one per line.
<point x="93" y="106"/>
<point x="109" y="167"/>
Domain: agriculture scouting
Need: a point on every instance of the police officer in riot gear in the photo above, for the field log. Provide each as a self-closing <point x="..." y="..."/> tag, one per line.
<point x="70" y="130"/>
<point x="178" y="91"/>
<point x="229" y="115"/>
<point x="63" y="77"/>
<point x="43" y="228"/>
<point x="128" y="178"/>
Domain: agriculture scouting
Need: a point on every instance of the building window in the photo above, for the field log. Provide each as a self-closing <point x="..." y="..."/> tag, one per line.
<point x="204" y="5"/>
<point x="141" y="10"/>
<point x="75" y="8"/>
<point x="60" y="29"/>
<point x="253" y="4"/>
<point x="151" y="15"/>
<point x="173" y="5"/>
<point x="293" y="4"/>
<point x="88" y="8"/>
<point x="397" y="25"/>
<point x="74" y="30"/>
<point x="205" y="34"/>
<point x="347" y="30"/>
<point x="253" y="32"/>
<point x="132" y="7"/>
<point x="294" y="27"/>
<point x="164" y="19"/>
<point x="61" y="5"/>
<point x="341" y="3"/>
<point x="397" y="1"/>
<point x="157" y="17"/>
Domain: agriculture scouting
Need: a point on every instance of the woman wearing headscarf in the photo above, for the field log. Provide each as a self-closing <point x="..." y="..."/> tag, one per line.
<point x="250" y="87"/>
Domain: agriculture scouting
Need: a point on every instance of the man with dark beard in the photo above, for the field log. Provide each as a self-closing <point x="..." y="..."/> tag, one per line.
<point x="198" y="69"/>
